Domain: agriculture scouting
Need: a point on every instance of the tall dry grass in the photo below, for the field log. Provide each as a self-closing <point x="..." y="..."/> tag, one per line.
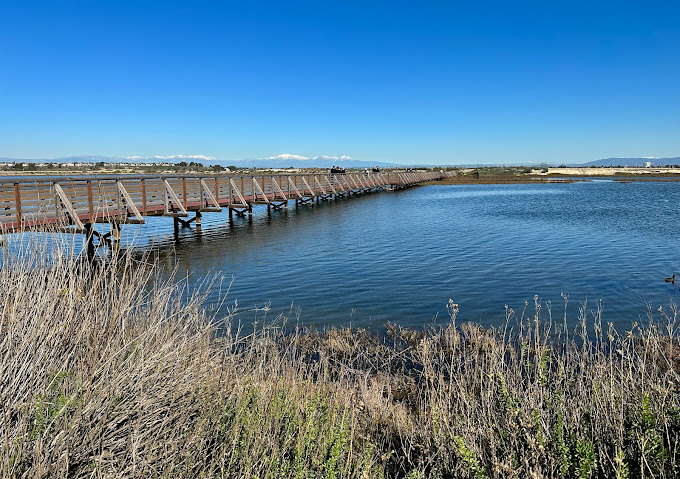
<point x="114" y="372"/>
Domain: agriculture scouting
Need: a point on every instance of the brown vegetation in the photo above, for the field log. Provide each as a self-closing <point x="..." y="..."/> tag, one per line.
<point x="113" y="372"/>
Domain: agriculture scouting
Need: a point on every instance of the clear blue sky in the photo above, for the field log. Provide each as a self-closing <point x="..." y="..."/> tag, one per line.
<point x="456" y="82"/>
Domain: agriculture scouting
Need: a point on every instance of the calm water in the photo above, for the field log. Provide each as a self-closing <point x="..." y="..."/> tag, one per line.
<point x="400" y="256"/>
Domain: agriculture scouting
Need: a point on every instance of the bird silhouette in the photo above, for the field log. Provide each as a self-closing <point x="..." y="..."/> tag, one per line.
<point x="670" y="280"/>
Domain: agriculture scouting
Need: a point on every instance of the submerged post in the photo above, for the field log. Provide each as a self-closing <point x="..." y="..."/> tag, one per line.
<point x="89" y="242"/>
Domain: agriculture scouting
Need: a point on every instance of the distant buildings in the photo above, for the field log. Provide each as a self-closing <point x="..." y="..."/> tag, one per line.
<point x="165" y="167"/>
<point x="78" y="165"/>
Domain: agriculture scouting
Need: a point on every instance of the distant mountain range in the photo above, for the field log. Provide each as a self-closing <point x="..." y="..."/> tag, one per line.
<point x="287" y="160"/>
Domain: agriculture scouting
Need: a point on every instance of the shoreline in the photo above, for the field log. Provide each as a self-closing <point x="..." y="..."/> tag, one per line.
<point x="482" y="174"/>
<point x="494" y="176"/>
<point x="515" y="180"/>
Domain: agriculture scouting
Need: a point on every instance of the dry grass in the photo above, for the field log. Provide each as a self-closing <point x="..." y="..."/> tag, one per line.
<point x="106" y="376"/>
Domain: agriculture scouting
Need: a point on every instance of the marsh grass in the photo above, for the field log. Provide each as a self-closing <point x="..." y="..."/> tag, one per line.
<point x="114" y="372"/>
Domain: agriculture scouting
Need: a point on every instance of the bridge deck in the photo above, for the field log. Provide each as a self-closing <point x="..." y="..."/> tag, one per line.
<point x="54" y="203"/>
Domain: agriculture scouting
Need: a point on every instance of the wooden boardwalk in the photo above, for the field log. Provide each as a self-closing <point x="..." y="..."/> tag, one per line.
<point x="73" y="204"/>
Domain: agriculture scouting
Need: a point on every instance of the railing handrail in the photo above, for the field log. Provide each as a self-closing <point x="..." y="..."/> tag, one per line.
<point x="132" y="176"/>
<point x="66" y="201"/>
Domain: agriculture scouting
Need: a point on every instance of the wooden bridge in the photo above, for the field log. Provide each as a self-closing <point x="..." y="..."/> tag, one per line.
<point x="74" y="204"/>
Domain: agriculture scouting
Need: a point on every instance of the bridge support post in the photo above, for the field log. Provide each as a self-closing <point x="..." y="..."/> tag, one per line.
<point x="89" y="242"/>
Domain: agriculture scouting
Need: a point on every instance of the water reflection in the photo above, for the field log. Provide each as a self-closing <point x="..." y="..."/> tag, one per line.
<point x="400" y="256"/>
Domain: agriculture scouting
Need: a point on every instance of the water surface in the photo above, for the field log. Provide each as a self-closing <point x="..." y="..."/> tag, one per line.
<point x="400" y="256"/>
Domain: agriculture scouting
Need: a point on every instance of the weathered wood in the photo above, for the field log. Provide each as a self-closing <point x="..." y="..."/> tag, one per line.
<point x="90" y="199"/>
<point x="129" y="203"/>
<point x="47" y="203"/>
<point x="319" y="186"/>
<point x="61" y="200"/>
<point x="258" y="188"/>
<point x="244" y="203"/>
<point x="277" y="187"/>
<point x="309" y="188"/>
<point x="205" y="192"/>
<point x="143" y="181"/>
<point x="17" y="205"/>
<point x="171" y="195"/>
<point x="295" y="188"/>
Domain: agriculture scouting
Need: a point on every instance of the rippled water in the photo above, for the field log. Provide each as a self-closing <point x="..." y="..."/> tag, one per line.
<point x="400" y="256"/>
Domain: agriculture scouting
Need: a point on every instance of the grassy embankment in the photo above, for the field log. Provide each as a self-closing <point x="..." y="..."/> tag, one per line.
<point x="499" y="175"/>
<point x="103" y="376"/>
<point x="518" y="174"/>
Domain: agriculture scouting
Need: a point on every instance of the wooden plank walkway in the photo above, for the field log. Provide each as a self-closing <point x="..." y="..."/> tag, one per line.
<point x="75" y="203"/>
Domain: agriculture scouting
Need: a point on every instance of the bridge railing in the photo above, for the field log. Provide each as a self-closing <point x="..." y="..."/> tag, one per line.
<point x="54" y="202"/>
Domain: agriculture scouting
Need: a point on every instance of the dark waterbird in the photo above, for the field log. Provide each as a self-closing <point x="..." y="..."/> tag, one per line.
<point x="670" y="280"/>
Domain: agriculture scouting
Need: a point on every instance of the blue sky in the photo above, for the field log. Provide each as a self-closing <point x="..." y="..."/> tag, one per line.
<point x="401" y="82"/>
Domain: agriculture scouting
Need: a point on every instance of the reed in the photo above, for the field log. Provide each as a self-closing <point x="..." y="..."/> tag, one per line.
<point x="116" y="372"/>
